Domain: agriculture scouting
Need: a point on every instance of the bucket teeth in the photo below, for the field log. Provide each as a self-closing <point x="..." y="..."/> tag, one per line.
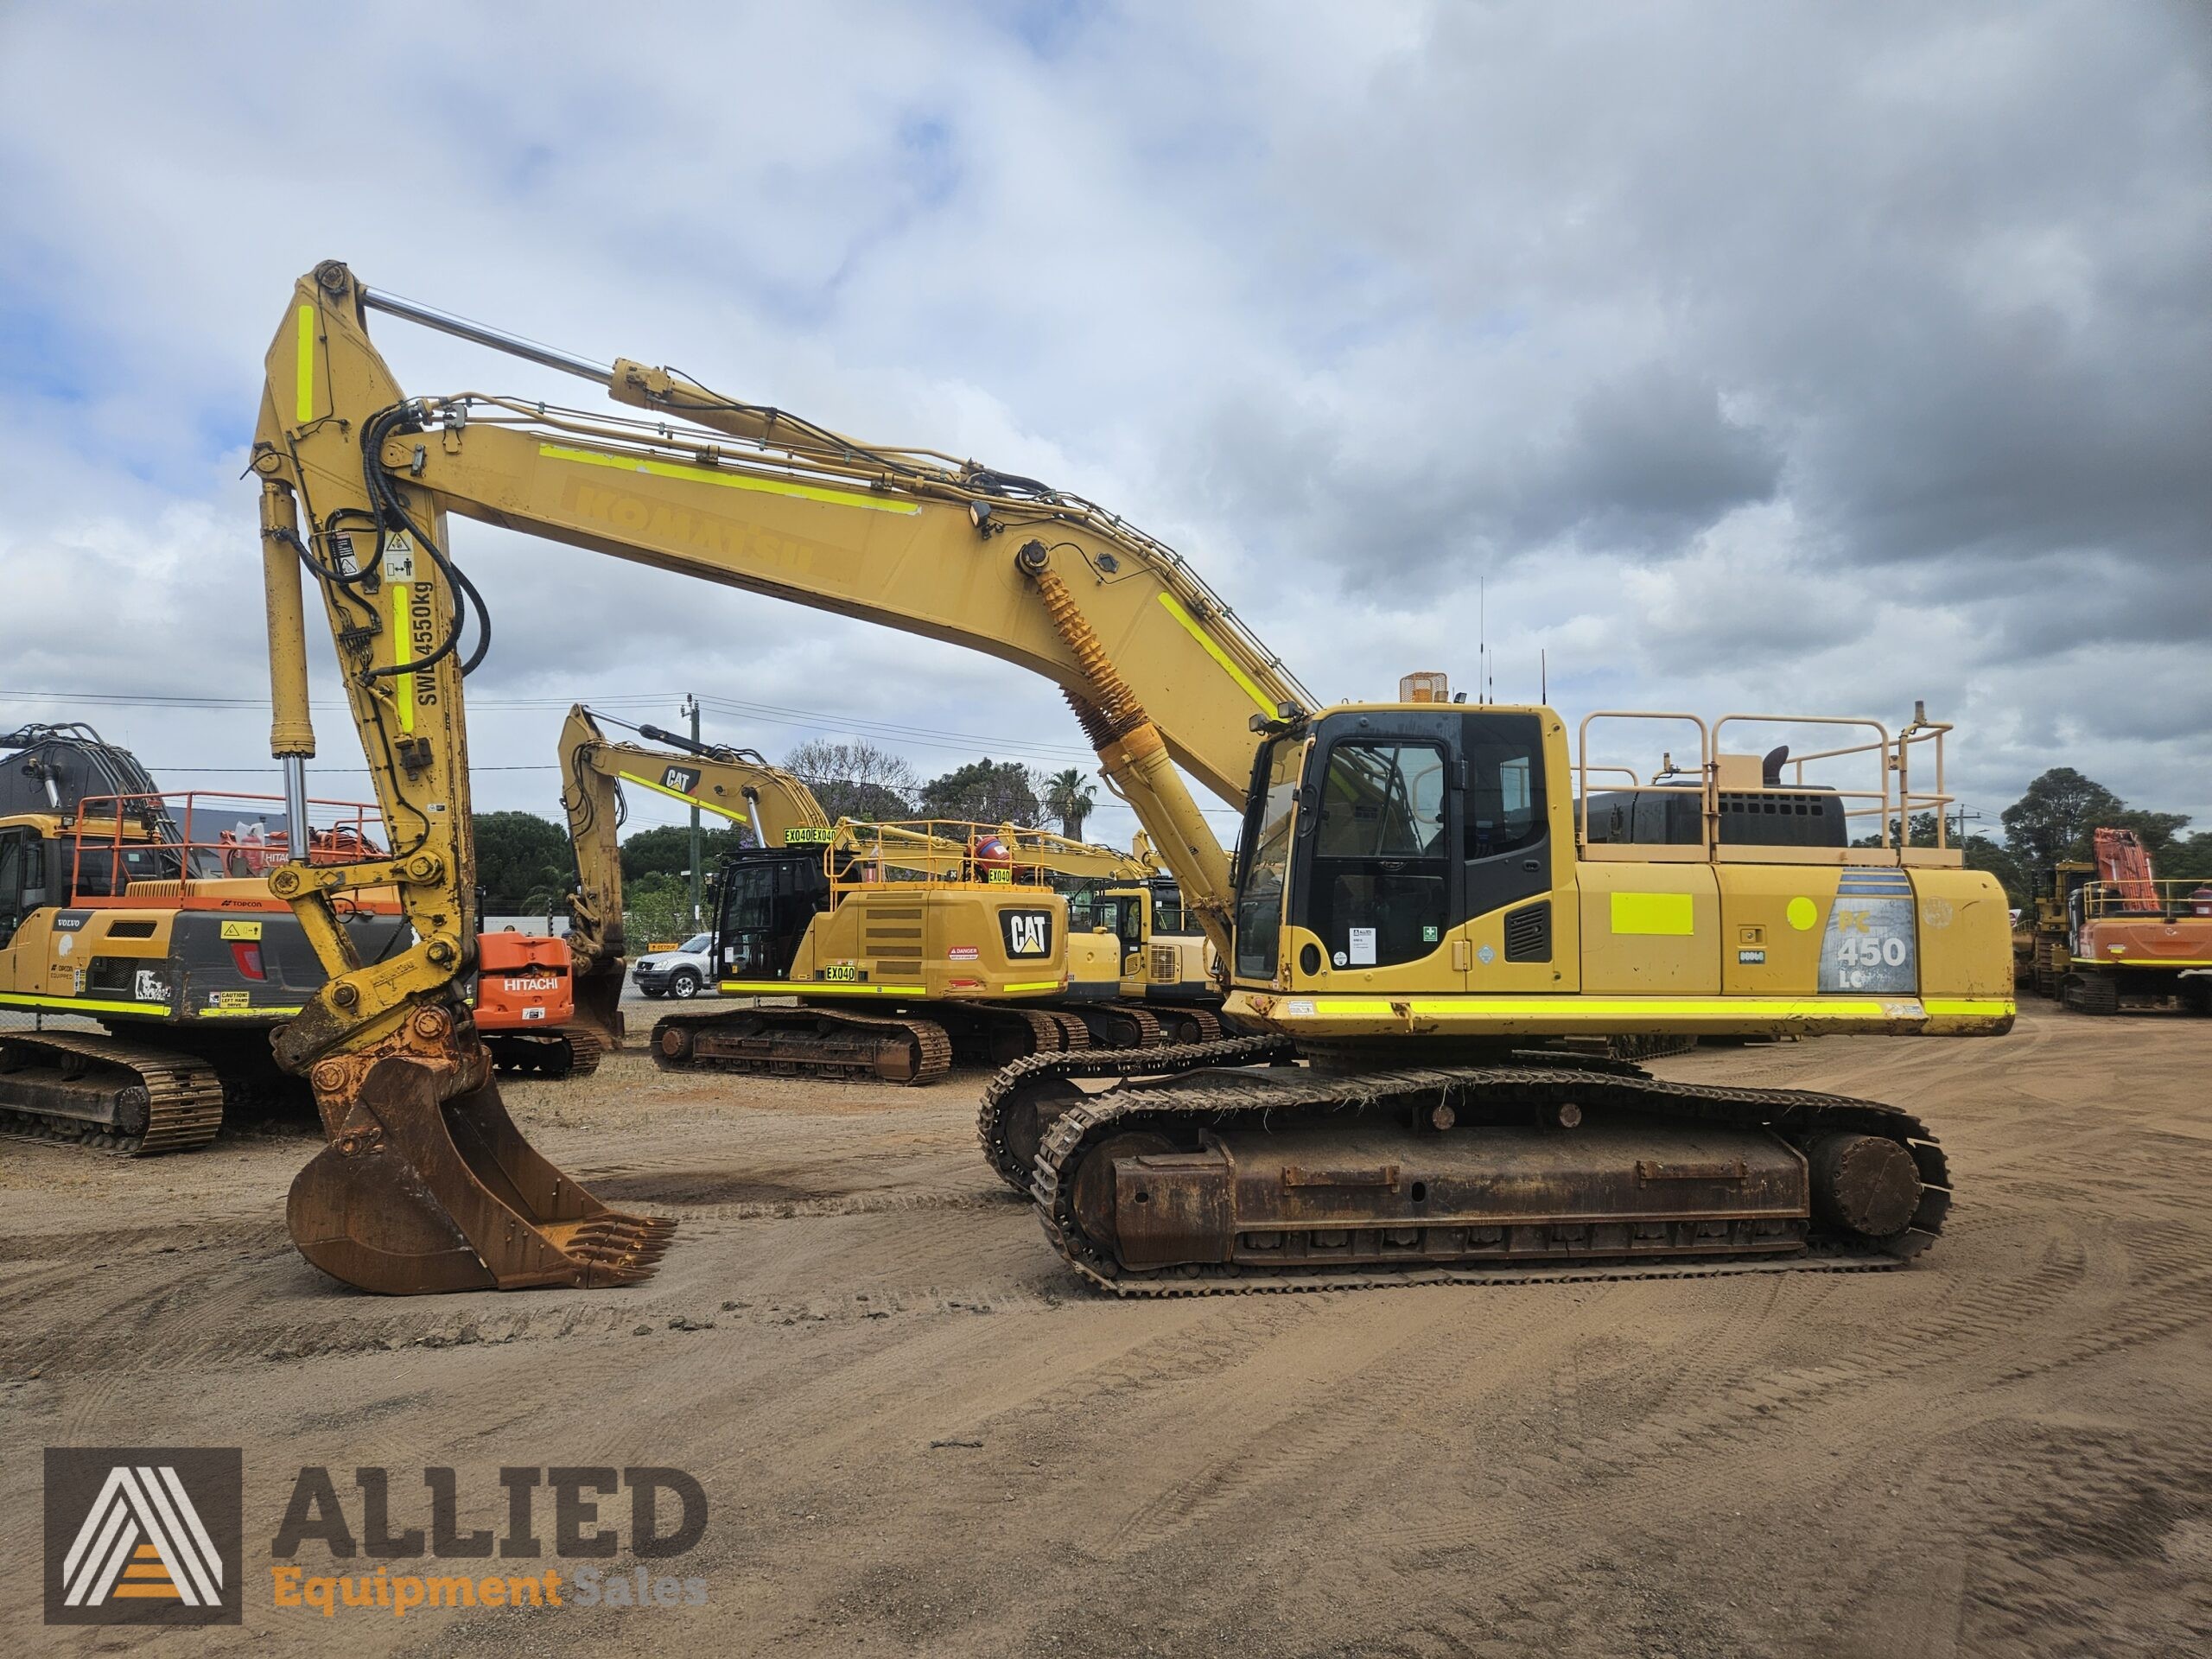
<point x="617" y="1248"/>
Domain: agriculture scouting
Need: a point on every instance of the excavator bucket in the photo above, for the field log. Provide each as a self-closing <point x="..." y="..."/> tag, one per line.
<point x="415" y="1196"/>
<point x="599" y="1004"/>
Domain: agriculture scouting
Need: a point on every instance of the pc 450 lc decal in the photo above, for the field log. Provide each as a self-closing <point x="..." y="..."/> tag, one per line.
<point x="1871" y="943"/>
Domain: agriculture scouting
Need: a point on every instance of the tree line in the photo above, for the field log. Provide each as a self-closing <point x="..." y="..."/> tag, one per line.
<point x="2055" y="822"/>
<point x="525" y="864"/>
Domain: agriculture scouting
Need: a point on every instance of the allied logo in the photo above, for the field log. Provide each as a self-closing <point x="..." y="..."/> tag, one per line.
<point x="144" y="1534"/>
<point x="1028" y="933"/>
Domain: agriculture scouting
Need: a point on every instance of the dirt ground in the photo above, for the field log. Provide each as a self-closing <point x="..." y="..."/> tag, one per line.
<point x="917" y="1435"/>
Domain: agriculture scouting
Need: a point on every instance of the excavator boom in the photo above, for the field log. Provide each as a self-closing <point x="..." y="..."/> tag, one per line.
<point x="737" y="785"/>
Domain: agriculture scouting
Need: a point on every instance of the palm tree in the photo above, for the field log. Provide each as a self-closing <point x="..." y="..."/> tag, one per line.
<point x="1068" y="797"/>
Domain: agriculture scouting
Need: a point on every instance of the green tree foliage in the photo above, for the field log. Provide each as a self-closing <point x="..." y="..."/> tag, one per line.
<point x="2052" y="821"/>
<point x="1983" y="854"/>
<point x="983" y="792"/>
<point x="2188" y="858"/>
<point x="658" y="909"/>
<point x="665" y="850"/>
<point x="1068" y="797"/>
<point x="855" y="780"/>
<point x="524" y="862"/>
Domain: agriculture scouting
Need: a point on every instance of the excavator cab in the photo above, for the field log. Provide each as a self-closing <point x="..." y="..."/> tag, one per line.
<point x="768" y="897"/>
<point x="1374" y="835"/>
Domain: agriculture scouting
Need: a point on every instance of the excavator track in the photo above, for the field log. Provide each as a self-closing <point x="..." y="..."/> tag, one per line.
<point x="1208" y="1087"/>
<point x="1648" y="1048"/>
<point x="1117" y="1025"/>
<point x="563" y="1052"/>
<point x="805" y="1041"/>
<point x="1074" y="1034"/>
<point x="1004" y="1124"/>
<point x="1202" y="1025"/>
<point x="167" y="1102"/>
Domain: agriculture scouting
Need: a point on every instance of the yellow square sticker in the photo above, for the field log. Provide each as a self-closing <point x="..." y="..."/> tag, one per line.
<point x="241" y="929"/>
<point x="1654" y="912"/>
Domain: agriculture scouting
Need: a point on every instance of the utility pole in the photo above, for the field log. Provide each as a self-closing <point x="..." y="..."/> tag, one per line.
<point x="691" y="708"/>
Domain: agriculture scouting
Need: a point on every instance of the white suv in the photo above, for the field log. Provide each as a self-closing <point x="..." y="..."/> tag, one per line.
<point x="682" y="972"/>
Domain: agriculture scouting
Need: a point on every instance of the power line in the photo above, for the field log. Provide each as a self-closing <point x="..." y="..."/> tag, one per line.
<point x="363" y="771"/>
<point x="769" y="713"/>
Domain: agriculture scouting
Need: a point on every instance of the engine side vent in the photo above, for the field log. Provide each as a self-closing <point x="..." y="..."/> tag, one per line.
<point x="1528" y="932"/>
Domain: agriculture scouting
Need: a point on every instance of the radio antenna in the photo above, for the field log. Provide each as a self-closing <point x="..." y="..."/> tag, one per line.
<point x="1482" y="638"/>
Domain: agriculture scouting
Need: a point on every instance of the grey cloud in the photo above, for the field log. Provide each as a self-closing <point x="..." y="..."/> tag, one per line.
<point x="1748" y="354"/>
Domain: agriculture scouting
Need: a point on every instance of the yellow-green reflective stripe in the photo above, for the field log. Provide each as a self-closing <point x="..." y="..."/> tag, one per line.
<point x="727" y="481"/>
<point x="25" y="1000"/>
<point x="2142" y="961"/>
<point x="403" y="682"/>
<point x="1763" y="1007"/>
<point x="241" y="1013"/>
<point x="304" y="400"/>
<point x="1041" y="985"/>
<point x="679" y="795"/>
<point x="1583" y="1008"/>
<point x="1190" y="623"/>
<point x="1971" y="1005"/>
<point x="816" y="988"/>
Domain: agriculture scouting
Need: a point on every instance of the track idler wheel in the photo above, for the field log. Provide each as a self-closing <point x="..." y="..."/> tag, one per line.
<point x="1865" y="1184"/>
<point x="672" y="1042"/>
<point x="1096" y="1181"/>
<point x="1024" y="1118"/>
<point x="899" y="1058"/>
<point x="418" y="1195"/>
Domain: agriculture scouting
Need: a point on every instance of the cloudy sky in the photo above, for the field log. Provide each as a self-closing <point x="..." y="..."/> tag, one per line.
<point x="1748" y="355"/>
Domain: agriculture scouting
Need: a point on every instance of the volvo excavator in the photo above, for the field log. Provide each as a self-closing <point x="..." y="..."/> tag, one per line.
<point x="1418" y="916"/>
<point x="907" y="946"/>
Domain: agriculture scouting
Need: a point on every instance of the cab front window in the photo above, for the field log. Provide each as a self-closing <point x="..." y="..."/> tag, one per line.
<point x="1264" y="865"/>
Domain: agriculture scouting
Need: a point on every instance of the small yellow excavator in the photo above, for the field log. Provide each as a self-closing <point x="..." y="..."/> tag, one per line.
<point x="142" y="922"/>
<point x="1428" y="900"/>
<point x="907" y="946"/>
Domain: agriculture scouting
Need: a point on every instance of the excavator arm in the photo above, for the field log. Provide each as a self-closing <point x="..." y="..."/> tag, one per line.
<point x="738" y="786"/>
<point x="359" y="481"/>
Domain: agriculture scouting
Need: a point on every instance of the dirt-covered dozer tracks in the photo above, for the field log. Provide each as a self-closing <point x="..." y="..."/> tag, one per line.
<point x="563" y="1052"/>
<point x="1167" y="1103"/>
<point x="128" y="1097"/>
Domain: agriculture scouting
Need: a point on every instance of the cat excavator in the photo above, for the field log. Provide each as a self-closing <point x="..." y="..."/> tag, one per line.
<point x="907" y="946"/>
<point x="1417" y="919"/>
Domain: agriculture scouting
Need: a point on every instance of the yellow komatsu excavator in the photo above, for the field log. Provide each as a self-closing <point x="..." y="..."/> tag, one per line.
<point x="907" y="946"/>
<point x="1428" y="900"/>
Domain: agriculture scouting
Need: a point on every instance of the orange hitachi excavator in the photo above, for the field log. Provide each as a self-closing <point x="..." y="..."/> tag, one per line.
<point x="2120" y="938"/>
<point x="1423" y="910"/>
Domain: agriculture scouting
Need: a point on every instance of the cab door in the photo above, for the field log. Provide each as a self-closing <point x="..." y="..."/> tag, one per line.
<point x="23" y="870"/>
<point x="23" y="891"/>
